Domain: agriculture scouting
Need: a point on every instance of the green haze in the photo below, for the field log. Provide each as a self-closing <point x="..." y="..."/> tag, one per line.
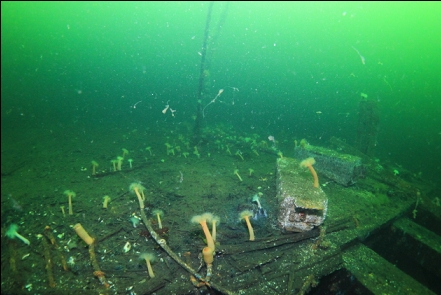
<point x="295" y="64"/>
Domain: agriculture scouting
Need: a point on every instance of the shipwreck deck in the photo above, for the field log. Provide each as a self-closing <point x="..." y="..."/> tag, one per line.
<point x="370" y="242"/>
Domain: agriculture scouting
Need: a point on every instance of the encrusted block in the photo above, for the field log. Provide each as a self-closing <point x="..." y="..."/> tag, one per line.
<point x="301" y="205"/>
<point x="342" y="168"/>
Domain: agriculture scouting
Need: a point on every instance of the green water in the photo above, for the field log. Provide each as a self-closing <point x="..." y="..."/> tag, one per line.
<point x="296" y="67"/>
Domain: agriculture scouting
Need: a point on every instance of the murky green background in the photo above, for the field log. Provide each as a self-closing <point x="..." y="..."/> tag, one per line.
<point x="296" y="66"/>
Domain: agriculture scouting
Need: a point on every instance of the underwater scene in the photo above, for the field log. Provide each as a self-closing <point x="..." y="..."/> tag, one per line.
<point x="220" y="148"/>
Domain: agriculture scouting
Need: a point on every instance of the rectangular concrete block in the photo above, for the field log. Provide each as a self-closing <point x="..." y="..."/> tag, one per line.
<point x="301" y="205"/>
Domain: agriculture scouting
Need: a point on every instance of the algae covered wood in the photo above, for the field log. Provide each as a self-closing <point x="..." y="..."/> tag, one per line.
<point x="301" y="205"/>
